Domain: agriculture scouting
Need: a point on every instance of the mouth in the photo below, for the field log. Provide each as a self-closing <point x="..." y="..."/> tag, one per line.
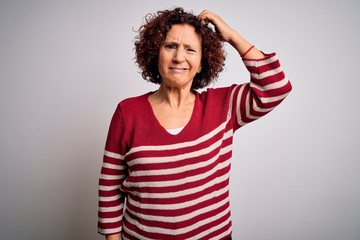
<point x="178" y="69"/>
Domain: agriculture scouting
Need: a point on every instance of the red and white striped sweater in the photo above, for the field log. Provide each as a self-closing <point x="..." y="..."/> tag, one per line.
<point x="177" y="186"/>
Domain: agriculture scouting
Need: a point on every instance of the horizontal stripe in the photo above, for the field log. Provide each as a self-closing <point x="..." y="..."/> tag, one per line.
<point x="110" y="231"/>
<point x="110" y="220"/>
<point x="110" y="199"/>
<point x="183" y="192"/>
<point x="201" y="139"/>
<point x="111" y="177"/>
<point x="111" y="209"/>
<point x="181" y="218"/>
<point x="178" y="231"/>
<point x="215" y="228"/>
<point x="108" y="188"/>
<point x="182" y="180"/>
<point x="113" y="155"/>
<point x="266" y="74"/>
<point x="270" y="86"/>
<point x="113" y="166"/>
<point x="259" y="63"/>
<point x="260" y="109"/>
<point x="168" y="171"/>
<point x="175" y="158"/>
<point x="134" y="235"/>
<point x="177" y="206"/>
<point x="273" y="99"/>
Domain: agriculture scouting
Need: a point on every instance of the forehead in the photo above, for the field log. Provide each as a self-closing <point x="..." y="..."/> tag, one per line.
<point x="183" y="33"/>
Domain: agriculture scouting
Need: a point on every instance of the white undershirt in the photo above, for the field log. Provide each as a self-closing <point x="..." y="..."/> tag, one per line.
<point x="175" y="130"/>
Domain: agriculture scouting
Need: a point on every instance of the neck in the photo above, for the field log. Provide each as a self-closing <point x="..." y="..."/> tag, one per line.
<point x="174" y="97"/>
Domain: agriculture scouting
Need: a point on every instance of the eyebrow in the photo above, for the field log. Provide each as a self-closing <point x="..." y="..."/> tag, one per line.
<point x="177" y="44"/>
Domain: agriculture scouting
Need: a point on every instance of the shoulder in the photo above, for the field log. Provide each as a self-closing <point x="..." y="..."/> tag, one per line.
<point x="133" y="102"/>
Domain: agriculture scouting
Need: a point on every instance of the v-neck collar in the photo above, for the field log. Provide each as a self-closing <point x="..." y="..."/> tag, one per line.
<point x="160" y="127"/>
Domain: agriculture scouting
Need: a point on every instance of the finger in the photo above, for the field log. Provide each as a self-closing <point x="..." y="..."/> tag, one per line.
<point x="202" y="13"/>
<point x="205" y="15"/>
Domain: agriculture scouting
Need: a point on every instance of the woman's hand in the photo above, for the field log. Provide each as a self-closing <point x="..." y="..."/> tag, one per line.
<point x="114" y="237"/>
<point x="230" y="35"/>
<point x="224" y="30"/>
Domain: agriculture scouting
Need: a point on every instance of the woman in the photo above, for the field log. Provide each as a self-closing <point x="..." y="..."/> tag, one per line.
<point x="168" y="152"/>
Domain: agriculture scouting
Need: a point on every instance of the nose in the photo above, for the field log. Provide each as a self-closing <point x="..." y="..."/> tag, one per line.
<point x="179" y="55"/>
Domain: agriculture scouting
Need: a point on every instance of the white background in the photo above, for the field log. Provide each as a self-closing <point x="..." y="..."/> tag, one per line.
<point x="64" y="65"/>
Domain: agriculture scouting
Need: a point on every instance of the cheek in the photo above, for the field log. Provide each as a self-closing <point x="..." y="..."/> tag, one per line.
<point x="164" y="59"/>
<point x="198" y="64"/>
<point x="160" y="63"/>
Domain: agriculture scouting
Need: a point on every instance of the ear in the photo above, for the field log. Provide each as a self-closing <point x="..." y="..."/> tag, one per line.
<point x="199" y="70"/>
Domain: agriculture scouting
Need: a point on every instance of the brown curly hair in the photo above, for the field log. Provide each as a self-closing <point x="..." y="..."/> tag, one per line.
<point x="152" y="34"/>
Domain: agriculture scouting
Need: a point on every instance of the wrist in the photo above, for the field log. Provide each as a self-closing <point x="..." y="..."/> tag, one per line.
<point x="247" y="51"/>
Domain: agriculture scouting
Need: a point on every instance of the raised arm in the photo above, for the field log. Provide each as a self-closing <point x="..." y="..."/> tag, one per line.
<point x="231" y="36"/>
<point x="268" y="84"/>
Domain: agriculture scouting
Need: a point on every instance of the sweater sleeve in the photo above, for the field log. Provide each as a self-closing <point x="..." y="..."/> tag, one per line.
<point x="268" y="87"/>
<point x="113" y="173"/>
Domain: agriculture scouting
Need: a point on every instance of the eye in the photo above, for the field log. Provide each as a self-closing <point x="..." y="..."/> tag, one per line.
<point x="190" y="50"/>
<point x="170" y="46"/>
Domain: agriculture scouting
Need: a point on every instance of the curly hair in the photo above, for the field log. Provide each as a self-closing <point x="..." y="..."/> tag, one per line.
<point x="152" y="34"/>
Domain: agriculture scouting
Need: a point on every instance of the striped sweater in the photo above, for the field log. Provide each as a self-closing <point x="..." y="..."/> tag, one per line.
<point x="177" y="186"/>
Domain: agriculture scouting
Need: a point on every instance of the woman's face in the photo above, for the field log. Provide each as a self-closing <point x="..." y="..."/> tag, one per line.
<point x="180" y="56"/>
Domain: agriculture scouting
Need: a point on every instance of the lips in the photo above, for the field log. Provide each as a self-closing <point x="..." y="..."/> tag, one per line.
<point x="178" y="69"/>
